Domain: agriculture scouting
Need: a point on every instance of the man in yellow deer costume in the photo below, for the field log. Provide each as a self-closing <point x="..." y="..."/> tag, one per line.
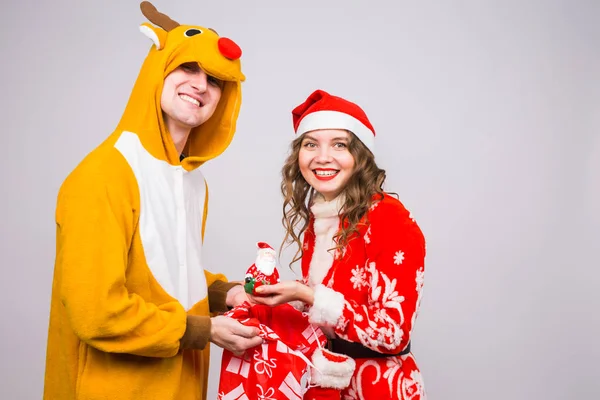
<point x="132" y="307"/>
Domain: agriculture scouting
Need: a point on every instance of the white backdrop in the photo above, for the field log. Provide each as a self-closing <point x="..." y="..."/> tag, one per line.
<point x="488" y="126"/>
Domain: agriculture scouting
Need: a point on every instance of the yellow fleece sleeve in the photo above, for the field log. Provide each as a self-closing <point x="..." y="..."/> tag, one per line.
<point x="96" y="216"/>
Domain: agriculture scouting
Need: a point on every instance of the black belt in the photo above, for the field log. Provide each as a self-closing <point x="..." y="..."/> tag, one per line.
<point x="357" y="350"/>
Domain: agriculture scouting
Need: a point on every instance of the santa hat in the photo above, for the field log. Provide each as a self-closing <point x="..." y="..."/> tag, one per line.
<point x="263" y="245"/>
<point x="332" y="370"/>
<point x="324" y="111"/>
<point x="264" y="249"/>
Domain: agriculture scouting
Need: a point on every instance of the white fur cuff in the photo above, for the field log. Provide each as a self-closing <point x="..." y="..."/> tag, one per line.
<point x="327" y="307"/>
<point x="331" y="370"/>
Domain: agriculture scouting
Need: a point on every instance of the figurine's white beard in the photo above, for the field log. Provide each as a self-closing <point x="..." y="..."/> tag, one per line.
<point x="265" y="266"/>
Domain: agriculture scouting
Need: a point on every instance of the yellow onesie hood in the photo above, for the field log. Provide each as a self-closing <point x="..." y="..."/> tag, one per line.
<point x="175" y="44"/>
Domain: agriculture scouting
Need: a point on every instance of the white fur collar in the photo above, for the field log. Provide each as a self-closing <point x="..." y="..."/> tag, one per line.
<point x="325" y="209"/>
<point x="326" y="225"/>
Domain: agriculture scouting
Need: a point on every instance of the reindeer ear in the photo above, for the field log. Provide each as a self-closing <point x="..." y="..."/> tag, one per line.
<point x="157" y="35"/>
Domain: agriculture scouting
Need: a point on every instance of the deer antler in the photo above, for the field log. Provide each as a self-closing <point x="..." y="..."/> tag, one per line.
<point x="156" y="17"/>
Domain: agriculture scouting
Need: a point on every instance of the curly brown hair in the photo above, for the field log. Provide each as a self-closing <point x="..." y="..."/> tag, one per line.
<point x="367" y="179"/>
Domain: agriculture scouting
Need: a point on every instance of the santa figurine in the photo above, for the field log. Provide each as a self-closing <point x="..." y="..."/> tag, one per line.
<point x="306" y="369"/>
<point x="263" y="271"/>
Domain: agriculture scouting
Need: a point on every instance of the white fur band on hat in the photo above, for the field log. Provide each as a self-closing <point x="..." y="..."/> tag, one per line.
<point x="337" y="120"/>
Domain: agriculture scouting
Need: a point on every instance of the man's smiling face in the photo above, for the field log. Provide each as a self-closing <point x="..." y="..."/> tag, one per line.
<point x="189" y="96"/>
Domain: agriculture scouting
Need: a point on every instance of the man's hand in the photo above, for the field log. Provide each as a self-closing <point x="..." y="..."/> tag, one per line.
<point x="236" y="296"/>
<point x="231" y="335"/>
<point x="283" y="292"/>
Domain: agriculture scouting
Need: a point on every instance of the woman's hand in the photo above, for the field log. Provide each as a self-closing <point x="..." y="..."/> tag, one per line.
<point x="283" y="292"/>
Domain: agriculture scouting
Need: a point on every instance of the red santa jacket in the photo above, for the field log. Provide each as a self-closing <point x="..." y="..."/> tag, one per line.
<point x="370" y="291"/>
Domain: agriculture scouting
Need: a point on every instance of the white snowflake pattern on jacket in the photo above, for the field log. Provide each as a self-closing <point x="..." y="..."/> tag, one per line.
<point x="371" y="295"/>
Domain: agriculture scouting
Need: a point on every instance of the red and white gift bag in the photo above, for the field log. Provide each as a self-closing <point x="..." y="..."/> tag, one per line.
<point x="290" y="358"/>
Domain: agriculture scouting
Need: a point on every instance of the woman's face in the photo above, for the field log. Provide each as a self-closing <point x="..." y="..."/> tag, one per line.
<point x="325" y="161"/>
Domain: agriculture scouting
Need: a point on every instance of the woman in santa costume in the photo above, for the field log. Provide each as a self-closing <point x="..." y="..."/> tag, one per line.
<point x="361" y="251"/>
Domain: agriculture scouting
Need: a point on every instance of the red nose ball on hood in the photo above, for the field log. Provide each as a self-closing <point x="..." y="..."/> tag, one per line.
<point x="229" y="48"/>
